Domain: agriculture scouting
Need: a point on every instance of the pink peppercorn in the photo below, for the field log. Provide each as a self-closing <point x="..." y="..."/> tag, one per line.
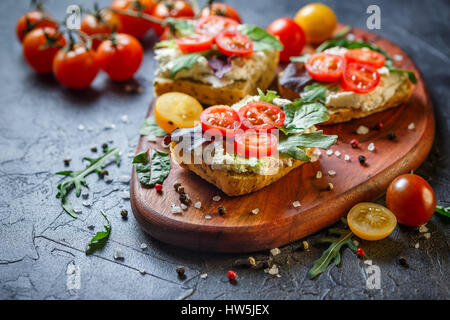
<point x="354" y="143"/>
<point x="158" y="187"/>
<point x="231" y="275"/>
<point x="360" y="252"/>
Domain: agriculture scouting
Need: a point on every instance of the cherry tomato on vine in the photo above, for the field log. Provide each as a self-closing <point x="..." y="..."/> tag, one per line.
<point x="135" y="26"/>
<point x="213" y="25"/>
<point x="360" y="78"/>
<point x="171" y="8"/>
<point x="291" y="36"/>
<point x="195" y="43"/>
<point x="261" y="116"/>
<point x="411" y="199"/>
<point x="222" y="119"/>
<point x="101" y="22"/>
<point x="233" y="42"/>
<point x="222" y="10"/>
<point x="120" y="57"/>
<point x="255" y="144"/>
<point x="32" y="20"/>
<point x="325" y="67"/>
<point x="40" y="47"/>
<point x="75" y="67"/>
<point x="366" y="56"/>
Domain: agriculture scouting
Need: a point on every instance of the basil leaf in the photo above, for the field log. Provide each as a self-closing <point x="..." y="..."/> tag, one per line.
<point x="268" y="97"/>
<point x="302" y="58"/>
<point x="351" y="45"/>
<point x="291" y="144"/>
<point x="155" y="172"/>
<point x="100" y="238"/>
<point x="186" y="61"/>
<point x="262" y="40"/>
<point x="293" y="151"/>
<point x="150" y="127"/>
<point x="183" y="27"/>
<point x="443" y="211"/>
<point x="411" y="75"/>
<point x="315" y="92"/>
<point x="301" y="116"/>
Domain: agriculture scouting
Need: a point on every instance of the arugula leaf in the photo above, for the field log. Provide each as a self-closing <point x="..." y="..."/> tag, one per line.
<point x="444" y="211"/>
<point x="100" y="238"/>
<point x="351" y="45"/>
<point x="301" y="115"/>
<point x="302" y="58"/>
<point x="77" y="179"/>
<point x="332" y="254"/>
<point x="155" y="172"/>
<point x="183" y="27"/>
<point x="411" y="75"/>
<point x="291" y="145"/>
<point x="186" y="61"/>
<point x="268" y="97"/>
<point x="262" y="40"/>
<point x="150" y="127"/>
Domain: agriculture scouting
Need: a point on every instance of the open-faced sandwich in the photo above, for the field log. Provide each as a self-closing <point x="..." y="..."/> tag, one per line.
<point x="352" y="79"/>
<point x="215" y="59"/>
<point x="253" y="143"/>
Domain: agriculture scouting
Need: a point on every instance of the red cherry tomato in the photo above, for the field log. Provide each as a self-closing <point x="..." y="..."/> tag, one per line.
<point x="366" y="56"/>
<point x="171" y="8"/>
<point x="411" y="199"/>
<point x="75" y="68"/>
<point x="223" y="119"/>
<point x="40" y="47"/>
<point x="261" y="116"/>
<point x="120" y="57"/>
<point x="325" y="67"/>
<point x="223" y="10"/>
<point x="291" y="36"/>
<point x="100" y="23"/>
<point x="233" y="42"/>
<point x="195" y="43"/>
<point x="360" y="78"/>
<point x="213" y="25"/>
<point x="32" y="20"/>
<point x="135" y="26"/>
<point x="255" y="144"/>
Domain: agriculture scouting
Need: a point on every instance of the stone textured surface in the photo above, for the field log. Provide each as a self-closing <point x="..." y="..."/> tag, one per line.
<point x="42" y="248"/>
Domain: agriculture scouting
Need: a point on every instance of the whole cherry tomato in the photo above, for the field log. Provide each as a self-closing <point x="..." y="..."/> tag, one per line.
<point x="40" y="47"/>
<point x="100" y="22"/>
<point x="120" y="57"/>
<point x="221" y="9"/>
<point x="411" y="199"/>
<point x="318" y="21"/>
<point x="135" y="26"/>
<point x="171" y="8"/>
<point x="75" y="66"/>
<point x="31" y="20"/>
<point x="291" y="36"/>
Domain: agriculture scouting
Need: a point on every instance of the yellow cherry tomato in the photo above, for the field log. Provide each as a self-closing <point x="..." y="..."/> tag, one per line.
<point x="318" y="21"/>
<point x="371" y="221"/>
<point x="177" y="110"/>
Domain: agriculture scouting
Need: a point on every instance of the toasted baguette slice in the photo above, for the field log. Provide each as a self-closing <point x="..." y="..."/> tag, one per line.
<point x="236" y="184"/>
<point x="338" y="115"/>
<point x="228" y="95"/>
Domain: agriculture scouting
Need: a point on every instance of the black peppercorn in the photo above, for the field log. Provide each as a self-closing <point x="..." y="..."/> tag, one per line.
<point x="391" y="135"/>
<point x="176" y="185"/>
<point x="362" y="159"/>
<point x="124" y="214"/>
<point x="94" y="149"/>
<point x="103" y="173"/>
<point x="67" y="161"/>
<point x="402" y="261"/>
<point x="181" y="271"/>
<point x="221" y="210"/>
<point x="180" y="189"/>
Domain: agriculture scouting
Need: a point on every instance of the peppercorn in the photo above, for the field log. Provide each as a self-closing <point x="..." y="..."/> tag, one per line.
<point x="124" y="213"/>
<point x="167" y="140"/>
<point x="221" y="210"/>
<point x="362" y="159"/>
<point x="103" y="173"/>
<point x="378" y="126"/>
<point x="176" y="185"/>
<point x="180" y="189"/>
<point x="231" y="275"/>
<point x="158" y="187"/>
<point x="180" y="270"/>
<point x="104" y="147"/>
<point x="94" y="149"/>
<point x="354" y="143"/>
<point x="329" y="186"/>
<point x="360" y="252"/>
<point x="391" y="135"/>
<point x="67" y="161"/>
<point x="403" y="262"/>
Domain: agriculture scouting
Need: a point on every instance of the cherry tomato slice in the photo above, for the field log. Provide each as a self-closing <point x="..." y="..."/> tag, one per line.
<point x="255" y="144"/>
<point x="221" y="119"/>
<point x="360" y="78"/>
<point x="325" y="67"/>
<point x="213" y="25"/>
<point x="195" y="43"/>
<point x="366" y="56"/>
<point x="261" y="116"/>
<point x="233" y="42"/>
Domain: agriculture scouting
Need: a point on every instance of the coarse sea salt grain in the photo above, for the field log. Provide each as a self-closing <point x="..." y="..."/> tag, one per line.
<point x="142" y="271"/>
<point x="208" y="217"/>
<point x="362" y="130"/>
<point x="151" y="138"/>
<point x="183" y="206"/>
<point x="77" y="210"/>
<point x="319" y="174"/>
<point x="118" y="254"/>
<point x="351" y="37"/>
<point x="411" y="126"/>
<point x="317" y="152"/>
<point x="176" y="209"/>
<point x="124" y="118"/>
<point x="329" y="152"/>
<point x="427" y="235"/>
<point x="143" y="246"/>
<point x="337" y="153"/>
<point x="371" y="146"/>
<point x="416" y="245"/>
<point x="216" y="198"/>
<point x="423" y="229"/>
<point x="347" y="157"/>
<point x="80" y="127"/>
<point x="331" y="172"/>
<point x="204" y="275"/>
<point x="198" y="204"/>
<point x="275" y="251"/>
<point x="296" y="204"/>
<point x="255" y="211"/>
<point x="87" y="203"/>
<point x="125" y="179"/>
<point x="397" y="57"/>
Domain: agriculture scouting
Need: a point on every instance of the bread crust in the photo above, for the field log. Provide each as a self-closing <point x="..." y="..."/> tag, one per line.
<point x="227" y="95"/>
<point x="338" y="115"/>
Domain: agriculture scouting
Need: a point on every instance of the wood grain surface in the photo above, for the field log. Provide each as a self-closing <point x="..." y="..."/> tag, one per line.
<point x="278" y="221"/>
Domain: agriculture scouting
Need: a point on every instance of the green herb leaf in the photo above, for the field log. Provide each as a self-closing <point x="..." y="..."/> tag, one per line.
<point x="316" y="92"/>
<point x="443" y="211"/>
<point x="302" y="58"/>
<point x="351" y="45"/>
<point x="186" y="61"/>
<point x="411" y="75"/>
<point x="332" y="254"/>
<point x="342" y="33"/>
<point x="181" y="26"/>
<point x="291" y="145"/>
<point x="268" y="97"/>
<point x="155" y="172"/>
<point x="77" y="179"/>
<point x="150" y="127"/>
<point x="302" y="115"/>
<point x="100" y="238"/>
<point x="262" y="40"/>
<point x="166" y="44"/>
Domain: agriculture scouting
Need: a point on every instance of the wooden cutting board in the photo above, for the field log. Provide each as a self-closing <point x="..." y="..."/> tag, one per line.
<point x="278" y="221"/>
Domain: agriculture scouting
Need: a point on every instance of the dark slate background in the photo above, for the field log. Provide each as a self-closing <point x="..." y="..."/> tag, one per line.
<point x="39" y="127"/>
